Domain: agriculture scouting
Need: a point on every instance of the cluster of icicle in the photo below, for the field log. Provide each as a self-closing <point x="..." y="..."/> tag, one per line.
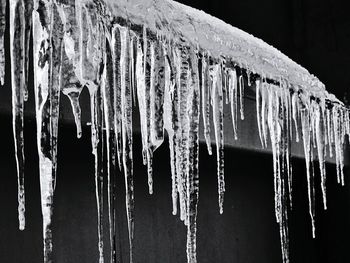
<point x="77" y="45"/>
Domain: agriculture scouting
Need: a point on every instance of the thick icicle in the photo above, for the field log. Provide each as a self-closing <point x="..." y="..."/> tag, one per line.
<point x="17" y="46"/>
<point x="2" y="46"/>
<point x="91" y="62"/>
<point x="277" y="123"/>
<point x="48" y="34"/>
<point x="218" y="119"/>
<point x="206" y="92"/>
<point x="143" y="75"/>
<point x="107" y="82"/>
<point x="157" y="95"/>
<point x="126" y="105"/>
<point x="193" y="172"/>
<point x="70" y="12"/>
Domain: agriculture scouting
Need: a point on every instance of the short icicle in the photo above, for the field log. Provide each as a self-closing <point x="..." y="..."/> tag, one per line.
<point x="205" y="89"/>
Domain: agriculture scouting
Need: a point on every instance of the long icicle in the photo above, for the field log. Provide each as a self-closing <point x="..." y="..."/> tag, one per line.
<point x="17" y="20"/>
<point x="126" y="103"/>
<point x="193" y="172"/>
<point x="47" y="48"/>
<point x="2" y="40"/>
<point x="218" y="119"/>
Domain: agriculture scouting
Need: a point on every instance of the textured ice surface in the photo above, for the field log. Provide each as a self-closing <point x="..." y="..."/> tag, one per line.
<point x="177" y="63"/>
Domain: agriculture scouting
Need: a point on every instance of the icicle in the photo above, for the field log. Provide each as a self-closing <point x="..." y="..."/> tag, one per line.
<point x="182" y="151"/>
<point x="2" y="46"/>
<point x="70" y="12"/>
<point x="28" y="4"/>
<point x="321" y="152"/>
<point x="171" y="121"/>
<point x="126" y="105"/>
<point x="233" y="99"/>
<point x="306" y="131"/>
<point x="330" y="132"/>
<point x="90" y="63"/>
<point x="116" y="46"/>
<point x="241" y="95"/>
<point x="264" y="111"/>
<point x="205" y="89"/>
<point x="277" y="123"/>
<point x="143" y="65"/>
<point x="295" y="111"/>
<point x="17" y="47"/>
<point x="107" y="82"/>
<point x="157" y="96"/>
<point x="48" y="34"/>
<point x="258" y="112"/>
<point x="193" y="172"/>
<point x="218" y="119"/>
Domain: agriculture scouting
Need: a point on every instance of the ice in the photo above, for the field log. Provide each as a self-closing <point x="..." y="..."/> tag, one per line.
<point x="17" y="10"/>
<point x="126" y="105"/>
<point x="241" y="95"/>
<point x="307" y="142"/>
<point x="233" y="94"/>
<point x="206" y="93"/>
<point x="2" y="47"/>
<point x="168" y="57"/>
<point x="47" y="49"/>
<point x="218" y="120"/>
<point x="193" y="171"/>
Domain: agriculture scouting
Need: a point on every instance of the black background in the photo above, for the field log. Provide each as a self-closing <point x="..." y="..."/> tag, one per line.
<point x="316" y="35"/>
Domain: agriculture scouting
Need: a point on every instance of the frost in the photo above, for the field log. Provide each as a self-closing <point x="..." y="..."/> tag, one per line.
<point x="175" y="63"/>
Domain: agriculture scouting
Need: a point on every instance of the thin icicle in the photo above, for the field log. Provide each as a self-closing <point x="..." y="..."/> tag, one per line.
<point x="306" y="132"/>
<point x="170" y="122"/>
<point x="126" y="105"/>
<point x="17" y="46"/>
<point x="2" y="46"/>
<point x="241" y="95"/>
<point x="321" y="151"/>
<point x="48" y="34"/>
<point x="233" y="100"/>
<point x="116" y="47"/>
<point x="258" y="111"/>
<point x="28" y="10"/>
<point x="205" y="89"/>
<point x="295" y="113"/>
<point x="143" y="70"/>
<point x="107" y="82"/>
<point x="218" y="119"/>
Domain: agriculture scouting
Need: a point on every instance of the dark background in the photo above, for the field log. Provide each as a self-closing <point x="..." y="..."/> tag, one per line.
<point x="316" y="34"/>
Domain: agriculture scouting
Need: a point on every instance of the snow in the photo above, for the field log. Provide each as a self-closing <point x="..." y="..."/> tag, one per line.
<point x="176" y="63"/>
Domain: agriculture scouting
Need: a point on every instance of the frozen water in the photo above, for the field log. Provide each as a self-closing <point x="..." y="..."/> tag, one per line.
<point x="177" y="62"/>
